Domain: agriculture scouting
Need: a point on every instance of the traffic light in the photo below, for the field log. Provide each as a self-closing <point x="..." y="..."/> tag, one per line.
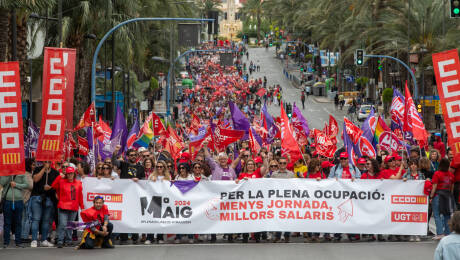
<point x="289" y="110"/>
<point x="359" y="57"/>
<point x="454" y="9"/>
<point x="301" y="68"/>
<point x="419" y="108"/>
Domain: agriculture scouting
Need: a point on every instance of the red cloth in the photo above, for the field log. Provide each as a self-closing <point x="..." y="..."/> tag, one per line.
<point x="315" y="175"/>
<point x="368" y="176"/>
<point x="427" y="188"/>
<point x="444" y="180"/>
<point x="92" y="214"/>
<point x="255" y="175"/>
<point x="439" y="145"/>
<point x="346" y="174"/>
<point x="70" y="194"/>
<point x="387" y="173"/>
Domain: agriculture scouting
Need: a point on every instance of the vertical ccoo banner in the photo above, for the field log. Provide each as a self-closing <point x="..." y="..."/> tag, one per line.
<point x="11" y="129"/>
<point x="58" y="79"/>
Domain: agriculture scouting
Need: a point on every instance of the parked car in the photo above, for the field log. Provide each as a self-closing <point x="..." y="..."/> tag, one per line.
<point x="364" y="112"/>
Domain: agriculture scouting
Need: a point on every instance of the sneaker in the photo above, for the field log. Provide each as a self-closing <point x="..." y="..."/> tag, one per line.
<point x="59" y="245"/>
<point x="438" y="237"/>
<point x="46" y="243"/>
<point x="33" y="244"/>
<point x="147" y="242"/>
<point x="412" y="239"/>
<point x="417" y="239"/>
<point x="191" y="241"/>
<point x="161" y="241"/>
<point x="5" y="246"/>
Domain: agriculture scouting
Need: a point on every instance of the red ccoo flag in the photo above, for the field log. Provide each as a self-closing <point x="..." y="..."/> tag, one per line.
<point x="88" y="118"/>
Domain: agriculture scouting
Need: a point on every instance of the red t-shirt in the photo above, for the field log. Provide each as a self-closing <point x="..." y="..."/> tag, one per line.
<point x="444" y="180"/>
<point x="387" y="173"/>
<point x="346" y="174"/>
<point x="70" y="194"/>
<point x="366" y="175"/>
<point x="315" y="175"/>
<point x="253" y="175"/>
<point x="457" y="171"/>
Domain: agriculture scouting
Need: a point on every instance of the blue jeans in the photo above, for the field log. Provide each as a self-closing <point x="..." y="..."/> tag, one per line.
<point x="12" y="212"/>
<point x="62" y="232"/>
<point x="26" y="220"/>
<point x="43" y="214"/>
<point x="441" y="220"/>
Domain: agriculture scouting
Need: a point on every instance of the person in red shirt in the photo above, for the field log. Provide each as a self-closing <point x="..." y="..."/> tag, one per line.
<point x="314" y="171"/>
<point x="441" y="198"/>
<point x="372" y="170"/>
<point x="439" y="145"/>
<point x="100" y="231"/>
<point x="391" y="172"/>
<point x="70" y="195"/>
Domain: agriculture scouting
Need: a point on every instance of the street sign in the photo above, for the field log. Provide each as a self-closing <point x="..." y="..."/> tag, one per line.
<point x="188" y="34"/>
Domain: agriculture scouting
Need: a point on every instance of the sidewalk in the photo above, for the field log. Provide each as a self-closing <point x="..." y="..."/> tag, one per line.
<point x="322" y="99"/>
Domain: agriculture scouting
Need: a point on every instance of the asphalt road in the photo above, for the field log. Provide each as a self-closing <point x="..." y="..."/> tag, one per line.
<point x="263" y="251"/>
<point x="317" y="114"/>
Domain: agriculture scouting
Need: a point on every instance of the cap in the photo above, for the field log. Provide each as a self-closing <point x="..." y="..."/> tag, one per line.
<point x="437" y="134"/>
<point x="314" y="154"/>
<point x="69" y="170"/>
<point x="185" y="156"/>
<point x="313" y="146"/>
<point x="258" y="160"/>
<point x="397" y="157"/>
<point x="361" y="161"/>
<point x="343" y="155"/>
<point x="388" y="158"/>
<point x="326" y="164"/>
<point x="142" y="149"/>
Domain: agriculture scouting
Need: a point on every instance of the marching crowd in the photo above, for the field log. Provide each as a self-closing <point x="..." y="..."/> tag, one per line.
<point x="38" y="206"/>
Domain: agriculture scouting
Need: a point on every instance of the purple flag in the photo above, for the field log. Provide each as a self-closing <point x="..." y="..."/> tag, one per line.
<point x="368" y="126"/>
<point x="257" y="137"/>
<point x="91" y="157"/>
<point x="184" y="186"/>
<point x="132" y="135"/>
<point x="219" y="111"/>
<point x="119" y="126"/>
<point x="240" y="122"/>
<point x="31" y="139"/>
<point x="297" y="115"/>
<point x="270" y="125"/>
<point x="200" y="136"/>
<point x="106" y="149"/>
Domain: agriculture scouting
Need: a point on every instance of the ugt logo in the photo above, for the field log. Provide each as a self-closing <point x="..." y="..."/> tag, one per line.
<point x="155" y="207"/>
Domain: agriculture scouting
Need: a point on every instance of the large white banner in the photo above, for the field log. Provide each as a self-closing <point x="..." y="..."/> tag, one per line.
<point x="298" y="205"/>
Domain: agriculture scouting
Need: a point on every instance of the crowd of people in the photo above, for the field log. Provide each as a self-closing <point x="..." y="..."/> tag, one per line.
<point x="39" y="205"/>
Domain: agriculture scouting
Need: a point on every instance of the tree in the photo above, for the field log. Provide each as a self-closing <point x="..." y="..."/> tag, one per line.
<point x="387" y="97"/>
<point x="253" y="9"/>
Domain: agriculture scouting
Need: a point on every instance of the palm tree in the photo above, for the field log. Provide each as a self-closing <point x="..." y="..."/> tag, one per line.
<point x="253" y="9"/>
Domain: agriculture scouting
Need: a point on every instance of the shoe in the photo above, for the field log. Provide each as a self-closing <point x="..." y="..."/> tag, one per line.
<point x="438" y="237"/>
<point x="276" y="240"/>
<point x="191" y="241"/>
<point x="286" y="240"/>
<point x="60" y="245"/>
<point x="245" y="240"/>
<point x="411" y="239"/>
<point x="26" y="240"/>
<point x="147" y="242"/>
<point x="135" y="241"/>
<point x="46" y="243"/>
<point x="107" y="244"/>
<point x="417" y="239"/>
<point x="5" y="246"/>
<point x="33" y="244"/>
<point x="161" y="241"/>
<point x="380" y="238"/>
<point x="177" y="241"/>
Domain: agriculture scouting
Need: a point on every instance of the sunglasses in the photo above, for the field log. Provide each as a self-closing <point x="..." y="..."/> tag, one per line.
<point x="159" y="167"/>
<point x="170" y="166"/>
<point x="99" y="167"/>
<point x="283" y="163"/>
<point x="106" y="168"/>
<point x="343" y="159"/>
<point x="181" y="168"/>
<point x="273" y="166"/>
<point x="131" y="155"/>
<point x="368" y="163"/>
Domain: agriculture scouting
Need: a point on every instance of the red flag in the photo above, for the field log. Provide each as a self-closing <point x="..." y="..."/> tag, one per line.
<point x="412" y="120"/>
<point x="58" y="73"/>
<point x="70" y="144"/>
<point x="83" y="147"/>
<point x="195" y="147"/>
<point x="224" y="137"/>
<point x="88" y="118"/>
<point x="261" y="92"/>
<point x="102" y="130"/>
<point x="352" y="130"/>
<point x="173" y="144"/>
<point x="157" y="126"/>
<point x="253" y="144"/>
<point x="446" y="66"/>
<point x="195" y="124"/>
<point x="324" y="145"/>
<point x="288" y="143"/>
<point x="11" y="130"/>
<point x="333" y="126"/>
